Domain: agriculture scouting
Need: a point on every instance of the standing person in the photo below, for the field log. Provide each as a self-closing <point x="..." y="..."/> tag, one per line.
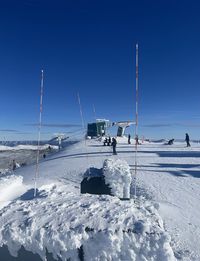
<point x="14" y="165"/>
<point x="187" y="139"/>
<point x="59" y="142"/>
<point x="109" y="141"/>
<point x="136" y="140"/>
<point x="114" y="143"/>
<point x="129" y="139"/>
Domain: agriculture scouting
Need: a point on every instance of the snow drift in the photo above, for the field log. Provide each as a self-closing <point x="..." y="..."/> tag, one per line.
<point x="10" y="187"/>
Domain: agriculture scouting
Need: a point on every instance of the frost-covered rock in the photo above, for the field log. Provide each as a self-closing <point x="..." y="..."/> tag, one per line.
<point x="118" y="175"/>
<point x="61" y="221"/>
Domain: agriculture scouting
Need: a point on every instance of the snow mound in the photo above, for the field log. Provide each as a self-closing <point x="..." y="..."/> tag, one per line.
<point x="118" y="176"/>
<point x="66" y="224"/>
<point x="10" y="187"/>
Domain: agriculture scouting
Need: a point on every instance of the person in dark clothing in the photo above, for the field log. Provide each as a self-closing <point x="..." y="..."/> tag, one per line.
<point x="105" y="142"/>
<point x="170" y="142"/>
<point x="114" y="144"/>
<point x="136" y="140"/>
<point x="187" y="139"/>
<point x="129" y="139"/>
<point x="14" y="165"/>
<point x="109" y="141"/>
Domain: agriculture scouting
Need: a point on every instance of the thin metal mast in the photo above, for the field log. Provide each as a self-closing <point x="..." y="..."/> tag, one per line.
<point x="83" y="125"/>
<point x="81" y="112"/>
<point x="39" y="133"/>
<point x="136" y="118"/>
<point x="95" y="116"/>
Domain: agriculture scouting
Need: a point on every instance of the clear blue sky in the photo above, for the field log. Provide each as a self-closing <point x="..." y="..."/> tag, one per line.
<point x="89" y="47"/>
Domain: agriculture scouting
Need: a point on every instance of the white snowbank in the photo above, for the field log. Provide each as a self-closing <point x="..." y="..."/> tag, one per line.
<point x="62" y="221"/>
<point x="10" y="187"/>
<point x="118" y="177"/>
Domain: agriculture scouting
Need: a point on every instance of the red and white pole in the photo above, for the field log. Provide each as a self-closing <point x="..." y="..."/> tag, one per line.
<point x="136" y="118"/>
<point x="39" y="133"/>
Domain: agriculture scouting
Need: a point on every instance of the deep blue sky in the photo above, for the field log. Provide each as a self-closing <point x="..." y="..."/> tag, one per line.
<point x="89" y="47"/>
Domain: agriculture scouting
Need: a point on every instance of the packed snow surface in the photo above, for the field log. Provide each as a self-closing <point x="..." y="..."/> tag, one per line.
<point x="162" y="222"/>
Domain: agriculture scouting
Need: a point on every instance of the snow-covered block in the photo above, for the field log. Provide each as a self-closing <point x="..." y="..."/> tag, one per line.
<point x="118" y="176"/>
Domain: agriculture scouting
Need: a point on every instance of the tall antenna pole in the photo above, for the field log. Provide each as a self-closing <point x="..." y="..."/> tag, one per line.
<point x="95" y="116"/>
<point x="136" y="117"/>
<point x="81" y="112"/>
<point x="39" y="133"/>
<point x="83" y="124"/>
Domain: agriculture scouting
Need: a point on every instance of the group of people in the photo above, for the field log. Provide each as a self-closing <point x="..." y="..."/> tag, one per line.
<point x="187" y="140"/>
<point x="136" y="140"/>
<point x="113" y="142"/>
<point x="109" y="142"/>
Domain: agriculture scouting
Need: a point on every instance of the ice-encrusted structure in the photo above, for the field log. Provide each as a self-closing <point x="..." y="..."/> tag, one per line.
<point x="118" y="175"/>
<point x="62" y="222"/>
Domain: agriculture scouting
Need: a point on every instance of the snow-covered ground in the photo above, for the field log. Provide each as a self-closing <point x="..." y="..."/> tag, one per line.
<point x="67" y="223"/>
<point x="171" y="175"/>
